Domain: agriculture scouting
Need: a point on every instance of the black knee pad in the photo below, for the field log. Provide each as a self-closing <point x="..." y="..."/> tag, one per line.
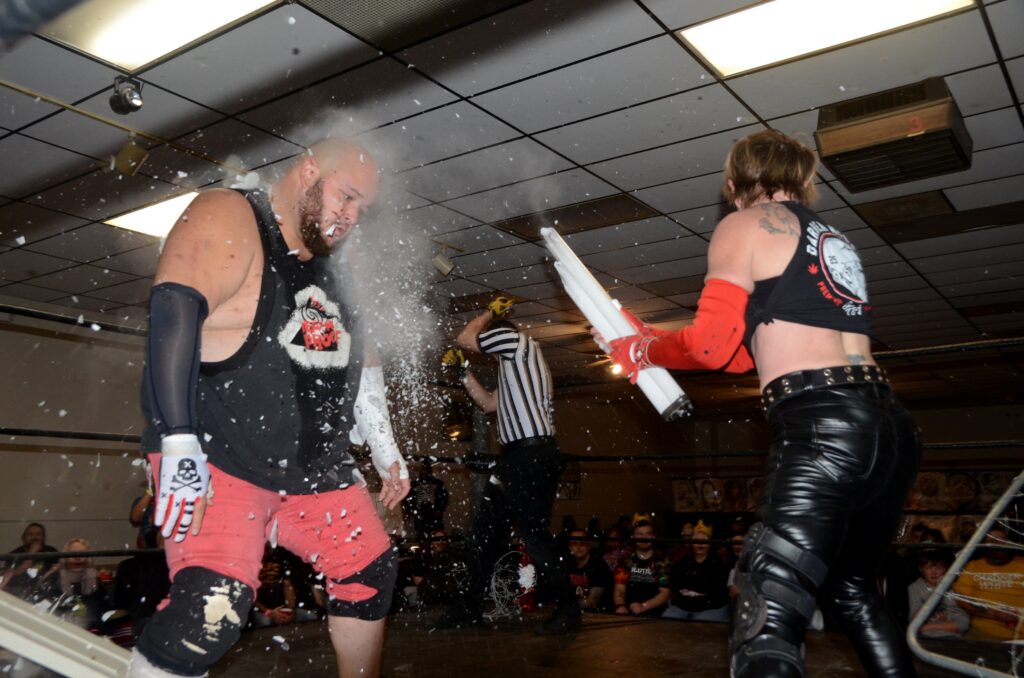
<point x="758" y="584"/>
<point x="201" y="623"/>
<point x="380" y="575"/>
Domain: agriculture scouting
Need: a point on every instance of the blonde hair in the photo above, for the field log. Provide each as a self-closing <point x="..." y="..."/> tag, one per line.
<point x="764" y="163"/>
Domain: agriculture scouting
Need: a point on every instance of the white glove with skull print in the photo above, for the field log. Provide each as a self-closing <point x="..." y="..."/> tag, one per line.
<point x="184" y="483"/>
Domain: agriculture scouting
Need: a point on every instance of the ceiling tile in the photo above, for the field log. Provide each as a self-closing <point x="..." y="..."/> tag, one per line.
<point x="92" y="242"/>
<point x="878" y="255"/>
<point x="651" y="273"/>
<point x="457" y="288"/>
<point x="903" y="297"/>
<point x="863" y="238"/>
<point x="964" y="242"/>
<point x="671" y="163"/>
<point x="435" y="135"/>
<point x="979" y="90"/>
<point x="141" y="262"/>
<point x="38" y="165"/>
<point x="17" y="265"/>
<point x="889" y="61"/>
<point x="29" y="292"/>
<point x="969" y="274"/>
<point x="677" y="14"/>
<point x="624" y="235"/>
<point x="231" y="138"/>
<point x="528" y="40"/>
<point x="972" y="258"/>
<point x="372" y="95"/>
<point x="1016" y="71"/>
<point x="500" y="259"/>
<point x="844" y="218"/>
<point x="184" y="169"/>
<point x="532" y="196"/>
<point x="163" y="114"/>
<point x="81" y="279"/>
<point x="517" y="277"/>
<point x="103" y="194"/>
<point x="261" y="59"/>
<point x="22" y="220"/>
<point x="682" y="116"/>
<point x="894" y="269"/>
<point x="18" y="109"/>
<point x="702" y="219"/>
<point x="898" y="284"/>
<point x="79" y="134"/>
<point x="681" y="247"/>
<point x="134" y="292"/>
<point x="507" y="163"/>
<point x="625" y="77"/>
<point x="986" y="193"/>
<point x="84" y="303"/>
<point x="684" y="195"/>
<point x="1007" y="18"/>
<point x="477" y="239"/>
<point x="437" y="221"/>
<point x="541" y="292"/>
<point x="995" y="128"/>
<point x="53" y="70"/>
<point x="991" y="164"/>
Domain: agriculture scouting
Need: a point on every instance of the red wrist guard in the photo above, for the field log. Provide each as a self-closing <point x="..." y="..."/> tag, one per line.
<point x="714" y="340"/>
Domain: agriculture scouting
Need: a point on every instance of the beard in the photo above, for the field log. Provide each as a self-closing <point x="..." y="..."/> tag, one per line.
<point x="311" y="209"/>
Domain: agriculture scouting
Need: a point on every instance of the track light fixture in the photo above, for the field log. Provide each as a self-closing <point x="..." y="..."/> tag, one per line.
<point x="127" y="96"/>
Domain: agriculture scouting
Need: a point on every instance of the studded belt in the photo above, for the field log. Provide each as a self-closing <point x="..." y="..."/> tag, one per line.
<point x="791" y="384"/>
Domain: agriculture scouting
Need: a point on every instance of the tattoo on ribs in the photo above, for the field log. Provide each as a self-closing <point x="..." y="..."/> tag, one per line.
<point x="856" y="358"/>
<point x="778" y="220"/>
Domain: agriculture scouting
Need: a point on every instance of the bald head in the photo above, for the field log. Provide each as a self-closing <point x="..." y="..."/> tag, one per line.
<point x="330" y="154"/>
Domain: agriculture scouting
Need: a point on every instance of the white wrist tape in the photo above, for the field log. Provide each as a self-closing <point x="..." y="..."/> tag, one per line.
<point x="373" y="423"/>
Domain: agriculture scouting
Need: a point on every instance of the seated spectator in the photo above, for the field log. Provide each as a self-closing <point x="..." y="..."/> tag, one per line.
<point x="22" y="577"/>
<point x="616" y="550"/>
<point x="994" y="582"/>
<point x="562" y="538"/>
<point x="949" y="620"/>
<point x="75" y="587"/>
<point x="642" y="580"/>
<point x="140" y="515"/>
<point x="142" y="581"/>
<point x="736" y="548"/>
<point x="436" y="573"/>
<point x="276" y="598"/>
<point x="698" y="583"/>
<point x="683" y="550"/>
<point x="588" y="573"/>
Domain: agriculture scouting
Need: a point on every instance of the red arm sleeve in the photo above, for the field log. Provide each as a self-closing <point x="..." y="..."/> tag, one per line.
<point x="714" y="340"/>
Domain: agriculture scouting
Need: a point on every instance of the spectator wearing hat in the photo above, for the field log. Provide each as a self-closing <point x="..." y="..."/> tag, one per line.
<point x="699" y="583"/>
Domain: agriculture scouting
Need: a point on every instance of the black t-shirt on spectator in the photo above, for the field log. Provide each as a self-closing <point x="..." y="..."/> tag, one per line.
<point x="699" y="586"/>
<point x="594" y="574"/>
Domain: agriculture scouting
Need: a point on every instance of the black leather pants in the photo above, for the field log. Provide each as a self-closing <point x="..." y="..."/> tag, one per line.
<point x="842" y="460"/>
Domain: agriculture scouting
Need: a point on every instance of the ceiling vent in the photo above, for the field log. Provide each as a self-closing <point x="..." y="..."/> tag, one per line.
<point x="899" y="135"/>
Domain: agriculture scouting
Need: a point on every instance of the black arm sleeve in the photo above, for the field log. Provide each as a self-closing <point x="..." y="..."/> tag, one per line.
<point x="176" y="315"/>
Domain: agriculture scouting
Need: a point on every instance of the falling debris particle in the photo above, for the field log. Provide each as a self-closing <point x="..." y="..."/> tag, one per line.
<point x="95" y="327"/>
<point x="291" y="21"/>
<point x="62" y="413"/>
<point x="192" y="646"/>
<point x="331" y="230"/>
<point x="417" y="102"/>
<point x="842" y="89"/>
<point x="293" y="253"/>
<point x="182" y="175"/>
<point x="207" y="437"/>
<point x="283" y="463"/>
<point x="20" y="240"/>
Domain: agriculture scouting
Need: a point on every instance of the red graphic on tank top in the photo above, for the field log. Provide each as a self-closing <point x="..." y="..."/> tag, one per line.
<point x="314" y="335"/>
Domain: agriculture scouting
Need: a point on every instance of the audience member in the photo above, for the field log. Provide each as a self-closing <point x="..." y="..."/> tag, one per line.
<point x="735" y="549"/>
<point x="682" y="550"/>
<point x="142" y="581"/>
<point x="990" y="589"/>
<point x="75" y="587"/>
<point x="699" y="583"/>
<point x="140" y="515"/>
<point x="642" y="580"/>
<point x="22" y="577"/>
<point x="562" y="538"/>
<point x="949" y="620"/>
<point x="588" y="573"/>
<point x="437" y="572"/>
<point x="277" y="602"/>
<point x="427" y="502"/>
<point x="616" y="549"/>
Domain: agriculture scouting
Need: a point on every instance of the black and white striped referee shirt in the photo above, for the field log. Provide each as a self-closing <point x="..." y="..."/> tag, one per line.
<point x="524" y="385"/>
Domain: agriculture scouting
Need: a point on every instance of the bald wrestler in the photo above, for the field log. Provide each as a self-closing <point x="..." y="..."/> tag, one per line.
<point x="248" y="435"/>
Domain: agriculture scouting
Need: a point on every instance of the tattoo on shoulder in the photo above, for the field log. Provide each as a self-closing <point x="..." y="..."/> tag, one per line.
<point x="778" y="220"/>
<point x="856" y="358"/>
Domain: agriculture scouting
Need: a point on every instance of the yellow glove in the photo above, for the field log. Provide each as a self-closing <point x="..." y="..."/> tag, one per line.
<point x="454" y="361"/>
<point x="501" y="306"/>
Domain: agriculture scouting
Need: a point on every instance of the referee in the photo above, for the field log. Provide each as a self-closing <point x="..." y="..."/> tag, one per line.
<point x="526" y="474"/>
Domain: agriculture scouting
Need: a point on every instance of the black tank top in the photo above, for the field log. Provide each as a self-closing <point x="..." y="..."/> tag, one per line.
<point x="278" y="412"/>
<point x="823" y="284"/>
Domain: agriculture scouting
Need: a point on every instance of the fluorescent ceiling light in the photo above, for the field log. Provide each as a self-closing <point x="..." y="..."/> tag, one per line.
<point x="785" y="29"/>
<point x="133" y="33"/>
<point x="157" y="219"/>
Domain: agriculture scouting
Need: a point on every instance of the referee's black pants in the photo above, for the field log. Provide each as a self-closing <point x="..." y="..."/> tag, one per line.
<point x="527" y="476"/>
